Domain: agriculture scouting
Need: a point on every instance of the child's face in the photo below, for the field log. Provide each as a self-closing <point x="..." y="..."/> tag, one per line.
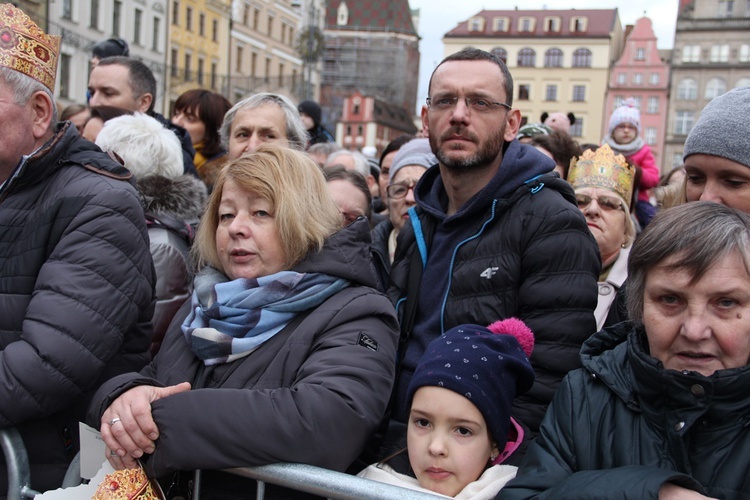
<point x="624" y="133"/>
<point x="448" y="441"/>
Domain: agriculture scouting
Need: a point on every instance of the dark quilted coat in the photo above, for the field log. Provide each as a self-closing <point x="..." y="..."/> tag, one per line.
<point x="76" y="293"/>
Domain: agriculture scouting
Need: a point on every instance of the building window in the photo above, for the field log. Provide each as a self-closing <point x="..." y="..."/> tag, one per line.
<point x="726" y="8"/>
<point x="640" y="54"/>
<point x="155" y="38"/>
<point x="524" y="91"/>
<point x="189" y="18"/>
<point x="576" y="130"/>
<point x="650" y="135"/>
<point x="283" y="32"/>
<point x="653" y="105"/>
<point x="137" y="24"/>
<point x="201" y="64"/>
<point x="202" y="24"/>
<point x="683" y="122"/>
<point x="501" y="54"/>
<point x="677" y="159"/>
<point x="64" y="75"/>
<point x="246" y="14"/>
<point x="253" y="64"/>
<point x="238" y="62"/>
<point x="67" y="9"/>
<point x="215" y="30"/>
<point x="355" y="108"/>
<point x="553" y="58"/>
<point x="654" y="79"/>
<point x="638" y="102"/>
<point x="687" y="90"/>
<point x="714" y="88"/>
<point x="256" y="19"/>
<point x="579" y="93"/>
<point x="552" y="24"/>
<point x="638" y="79"/>
<point x="173" y="63"/>
<point x="360" y="130"/>
<point x="582" y="58"/>
<point x="267" y="71"/>
<point x="691" y="54"/>
<point x="618" y="101"/>
<point x="94" y="15"/>
<point x="719" y="53"/>
<point x="527" y="58"/>
<point x="550" y="93"/>
<point x="578" y="24"/>
<point x="744" y="54"/>
<point x="621" y="78"/>
<point x="116" y="16"/>
<point x="526" y="24"/>
<point x="742" y="82"/>
<point x="500" y="24"/>
<point x="176" y="12"/>
<point x="214" y="71"/>
<point x="270" y="25"/>
<point x="188" y="64"/>
<point x="476" y="24"/>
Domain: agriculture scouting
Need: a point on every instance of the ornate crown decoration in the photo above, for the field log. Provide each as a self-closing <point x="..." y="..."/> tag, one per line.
<point x="603" y="169"/>
<point x="25" y="48"/>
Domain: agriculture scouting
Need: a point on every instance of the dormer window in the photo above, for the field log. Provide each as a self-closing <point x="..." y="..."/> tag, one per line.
<point x="526" y="24"/>
<point x="342" y="15"/>
<point x="500" y="24"/>
<point x="578" y="24"/>
<point x="552" y="24"/>
<point x="476" y="24"/>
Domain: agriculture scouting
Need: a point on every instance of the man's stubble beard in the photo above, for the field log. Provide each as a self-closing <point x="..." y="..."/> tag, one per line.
<point x="485" y="155"/>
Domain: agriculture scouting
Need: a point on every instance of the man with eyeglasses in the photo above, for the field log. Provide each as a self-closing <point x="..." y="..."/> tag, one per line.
<point x="495" y="234"/>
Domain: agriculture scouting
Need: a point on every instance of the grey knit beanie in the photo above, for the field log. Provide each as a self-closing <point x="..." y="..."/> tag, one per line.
<point x="722" y="128"/>
<point x="415" y="152"/>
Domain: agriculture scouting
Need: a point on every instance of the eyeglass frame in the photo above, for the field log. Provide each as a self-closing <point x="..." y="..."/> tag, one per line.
<point x="604" y="206"/>
<point x="409" y="186"/>
<point x="468" y="101"/>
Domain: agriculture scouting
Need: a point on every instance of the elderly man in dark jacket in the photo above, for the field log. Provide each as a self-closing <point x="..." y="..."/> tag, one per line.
<point x="76" y="287"/>
<point x="495" y="234"/>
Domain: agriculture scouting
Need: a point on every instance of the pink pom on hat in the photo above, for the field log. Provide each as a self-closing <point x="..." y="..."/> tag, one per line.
<point x="627" y="112"/>
<point x="517" y="328"/>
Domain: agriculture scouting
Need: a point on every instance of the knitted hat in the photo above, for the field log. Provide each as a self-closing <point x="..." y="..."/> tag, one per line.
<point x="111" y="47"/>
<point x="627" y="112"/>
<point x="311" y="109"/>
<point x="416" y="152"/>
<point x="533" y="129"/>
<point x="25" y="48"/>
<point x="489" y="369"/>
<point x="722" y="128"/>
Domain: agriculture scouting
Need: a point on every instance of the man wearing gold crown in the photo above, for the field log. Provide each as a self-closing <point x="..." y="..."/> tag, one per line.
<point x="495" y="234"/>
<point x="76" y="280"/>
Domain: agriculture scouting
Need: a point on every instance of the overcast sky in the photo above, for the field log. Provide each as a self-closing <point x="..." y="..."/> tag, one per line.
<point x="437" y="17"/>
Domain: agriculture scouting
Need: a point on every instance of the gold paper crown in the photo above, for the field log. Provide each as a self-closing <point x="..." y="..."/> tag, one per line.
<point x="602" y="169"/>
<point x="25" y="48"/>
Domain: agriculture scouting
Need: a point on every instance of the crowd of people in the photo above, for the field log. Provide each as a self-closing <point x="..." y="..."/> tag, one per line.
<point x="486" y="310"/>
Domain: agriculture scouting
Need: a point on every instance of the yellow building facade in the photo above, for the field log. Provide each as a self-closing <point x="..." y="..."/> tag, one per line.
<point x="198" y="46"/>
<point x="560" y="60"/>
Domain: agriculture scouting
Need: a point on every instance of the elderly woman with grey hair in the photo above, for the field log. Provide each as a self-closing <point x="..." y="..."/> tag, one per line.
<point x="261" y="118"/>
<point x="660" y="408"/>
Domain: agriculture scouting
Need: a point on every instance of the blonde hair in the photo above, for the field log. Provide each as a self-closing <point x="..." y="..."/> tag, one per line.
<point x="304" y="212"/>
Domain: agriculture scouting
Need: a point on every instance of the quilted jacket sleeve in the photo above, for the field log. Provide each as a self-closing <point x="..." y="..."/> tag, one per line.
<point x="88" y="299"/>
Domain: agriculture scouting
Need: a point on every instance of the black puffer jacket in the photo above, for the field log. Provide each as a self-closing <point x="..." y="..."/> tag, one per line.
<point x="623" y="425"/>
<point x="312" y="394"/>
<point x="76" y="293"/>
<point x="526" y="254"/>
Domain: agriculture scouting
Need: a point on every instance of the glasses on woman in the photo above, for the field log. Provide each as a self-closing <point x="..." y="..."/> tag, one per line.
<point x="604" y="201"/>
<point x="399" y="190"/>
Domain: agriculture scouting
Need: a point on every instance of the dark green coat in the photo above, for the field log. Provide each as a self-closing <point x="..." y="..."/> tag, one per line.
<point x="623" y="425"/>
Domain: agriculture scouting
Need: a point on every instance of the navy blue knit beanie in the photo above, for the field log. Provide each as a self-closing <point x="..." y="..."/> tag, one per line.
<point x="111" y="47"/>
<point x="490" y="369"/>
<point x="311" y="109"/>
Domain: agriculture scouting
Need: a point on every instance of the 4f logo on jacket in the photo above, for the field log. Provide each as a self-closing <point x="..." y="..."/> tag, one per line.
<point x="488" y="273"/>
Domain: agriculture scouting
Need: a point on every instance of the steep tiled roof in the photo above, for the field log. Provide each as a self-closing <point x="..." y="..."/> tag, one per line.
<point x="393" y="116"/>
<point x="372" y="15"/>
<point x="600" y="23"/>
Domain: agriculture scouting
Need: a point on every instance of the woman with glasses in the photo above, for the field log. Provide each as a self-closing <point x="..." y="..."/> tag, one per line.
<point x="603" y="184"/>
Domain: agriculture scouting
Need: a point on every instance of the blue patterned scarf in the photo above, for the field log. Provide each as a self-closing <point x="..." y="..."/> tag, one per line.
<point x="230" y="319"/>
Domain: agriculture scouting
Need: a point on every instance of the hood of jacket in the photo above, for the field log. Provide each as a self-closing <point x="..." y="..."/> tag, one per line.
<point x="345" y="254"/>
<point x="618" y="356"/>
<point x="520" y="164"/>
<point x="183" y="197"/>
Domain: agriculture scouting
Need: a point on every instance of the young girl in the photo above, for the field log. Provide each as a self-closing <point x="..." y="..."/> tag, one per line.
<point x="459" y="423"/>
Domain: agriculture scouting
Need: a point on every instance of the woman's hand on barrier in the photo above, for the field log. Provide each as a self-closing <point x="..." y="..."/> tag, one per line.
<point x="128" y="428"/>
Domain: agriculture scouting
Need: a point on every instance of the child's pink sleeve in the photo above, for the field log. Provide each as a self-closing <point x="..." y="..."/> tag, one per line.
<point x="644" y="158"/>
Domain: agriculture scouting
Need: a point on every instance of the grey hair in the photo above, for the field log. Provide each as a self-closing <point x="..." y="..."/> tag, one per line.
<point x="700" y="233"/>
<point x="296" y="134"/>
<point x="146" y="146"/>
<point x="361" y="166"/>
<point x="326" y="148"/>
<point x="24" y="87"/>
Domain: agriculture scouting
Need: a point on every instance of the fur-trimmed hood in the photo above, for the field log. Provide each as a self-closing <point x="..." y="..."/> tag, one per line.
<point x="183" y="197"/>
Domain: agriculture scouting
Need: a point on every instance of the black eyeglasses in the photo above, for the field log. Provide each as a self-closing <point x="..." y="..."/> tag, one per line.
<point x="398" y="191"/>
<point x="606" y="202"/>
<point x="478" y="104"/>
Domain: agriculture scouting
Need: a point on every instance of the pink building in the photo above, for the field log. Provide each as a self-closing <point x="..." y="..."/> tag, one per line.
<point x="640" y="73"/>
